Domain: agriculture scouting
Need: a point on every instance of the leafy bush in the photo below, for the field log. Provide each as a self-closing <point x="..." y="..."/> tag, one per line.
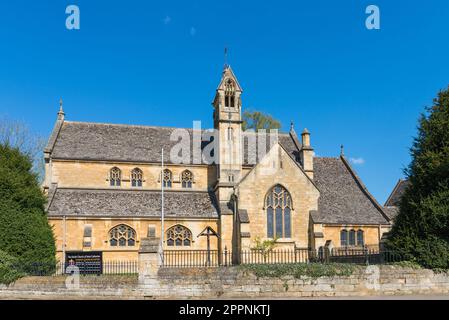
<point x="8" y="272"/>
<point x="298" y="270"/>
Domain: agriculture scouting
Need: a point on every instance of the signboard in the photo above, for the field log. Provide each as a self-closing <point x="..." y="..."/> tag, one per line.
<point x="90" y="262"/>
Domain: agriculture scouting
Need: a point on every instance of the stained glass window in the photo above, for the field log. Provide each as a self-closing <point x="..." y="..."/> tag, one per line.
<point x="279" y="205"/>
<point x="179" y="236"/>
<point x="187" y="179"/>
<point x="167" y="178"/>
<point x="115" y="177"/>
<point x="123" y="236"/>
<point x="136" y="177"/>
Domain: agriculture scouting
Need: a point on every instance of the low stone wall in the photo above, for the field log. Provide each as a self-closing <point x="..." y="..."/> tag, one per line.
<point x="91" y="287"/>
<point x="233" y="282"/>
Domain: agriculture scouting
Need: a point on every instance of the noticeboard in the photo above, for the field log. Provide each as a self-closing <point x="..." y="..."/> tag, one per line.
<point x="90" y="262"/>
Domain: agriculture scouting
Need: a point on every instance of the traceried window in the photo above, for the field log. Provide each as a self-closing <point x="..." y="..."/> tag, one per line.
<point x="115" y="177"/>
<point x="167" y="178"/>
<point x="229" y="93"/>
<point x="278" y="205"/>
<point x="136" y="177"/>
<point x="179" y="236"/>
<point x="187" y="179"/>
<point x="122" y="236"/>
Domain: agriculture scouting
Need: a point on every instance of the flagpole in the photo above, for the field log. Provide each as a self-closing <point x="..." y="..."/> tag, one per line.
<point x="162" y="206"/>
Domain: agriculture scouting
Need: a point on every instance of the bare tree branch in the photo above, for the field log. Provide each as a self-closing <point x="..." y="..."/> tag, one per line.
<point x="16" y="134"/>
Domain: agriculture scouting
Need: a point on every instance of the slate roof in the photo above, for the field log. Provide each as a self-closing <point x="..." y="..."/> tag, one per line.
<point x="391" y="212"/>
<point x="395" y="197"/>
<point x="343" y="197"/>
<point x="128" y="143"/>
<point x="131" y="203"/>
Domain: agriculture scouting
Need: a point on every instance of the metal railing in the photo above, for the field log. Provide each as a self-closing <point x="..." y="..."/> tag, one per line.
<point x="277" y="256"/>
<point x="213" y="258"/>
<point x="363" y="255"/>
<point x="60" y="268"/>
<point x="196" y="258"/>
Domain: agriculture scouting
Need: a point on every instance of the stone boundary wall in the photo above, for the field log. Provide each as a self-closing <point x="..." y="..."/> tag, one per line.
<point x="91" y="287"/>
<point x="233" y="282"/>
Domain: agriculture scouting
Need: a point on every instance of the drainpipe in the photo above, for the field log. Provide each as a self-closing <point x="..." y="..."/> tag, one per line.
<point x="64" y="230"/>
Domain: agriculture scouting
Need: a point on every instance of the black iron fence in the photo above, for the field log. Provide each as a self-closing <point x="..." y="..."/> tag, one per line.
<point x="364" y="255"/>
<point x="257" y="256"/>
<point x="196" y="258"/>
<point x="213" y="258"/>
<point x="60" y="268"/>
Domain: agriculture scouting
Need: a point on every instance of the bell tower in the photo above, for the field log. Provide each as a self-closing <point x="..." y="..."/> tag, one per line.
<point x="228" y="122"/>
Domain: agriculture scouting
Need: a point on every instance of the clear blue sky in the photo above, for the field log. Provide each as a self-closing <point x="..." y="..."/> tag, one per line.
<point x="159" y="62"/>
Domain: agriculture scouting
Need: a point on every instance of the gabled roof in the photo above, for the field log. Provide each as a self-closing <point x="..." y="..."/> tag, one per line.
<point x="131" y="203"/>
<point x="391" y="212"/>
<point x="343" y="197"/>
<point x="227" y="72"/>
<point x="130" y="143"/>
<point x="395" y="197"/>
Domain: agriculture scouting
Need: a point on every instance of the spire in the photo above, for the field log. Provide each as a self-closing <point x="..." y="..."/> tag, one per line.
<point x="226" y="58"/>
<point x="61" y="113"/>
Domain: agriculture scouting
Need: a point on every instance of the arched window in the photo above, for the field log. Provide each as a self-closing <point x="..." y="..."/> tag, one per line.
<point x="167" y="178"/>
<point x="136" y="177"/>
<point x="187" y="179"/>
<point x="115" y="177"/>
<point x="122" y="236"/>
<point x="360" y="238"/>
<point x="229" y="93"/>
<point x="352" y="237"/>
<point x="179" y="236"/>
<point x="343" y="238"/>
<point x="279" y="205"/>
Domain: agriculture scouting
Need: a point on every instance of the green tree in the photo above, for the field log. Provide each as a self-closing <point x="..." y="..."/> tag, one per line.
<point x="25" y="233"/>
<point x="421" y="229"/>
<point x="258" y="120"/>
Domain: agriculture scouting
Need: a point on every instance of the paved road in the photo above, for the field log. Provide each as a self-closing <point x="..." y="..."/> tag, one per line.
<point x="404" y="297"/>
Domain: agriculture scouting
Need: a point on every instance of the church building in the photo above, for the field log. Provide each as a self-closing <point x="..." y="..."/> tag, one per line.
<point x="105" y="182"/>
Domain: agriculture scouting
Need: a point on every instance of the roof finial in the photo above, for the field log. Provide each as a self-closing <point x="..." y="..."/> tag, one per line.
<point x="342" y="150"/>
<point x="291" y="125"/>
<point x="61" y="113"/>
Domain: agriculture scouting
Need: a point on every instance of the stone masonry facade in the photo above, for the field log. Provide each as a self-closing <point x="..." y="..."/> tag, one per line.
<point x="104" y="184"/>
